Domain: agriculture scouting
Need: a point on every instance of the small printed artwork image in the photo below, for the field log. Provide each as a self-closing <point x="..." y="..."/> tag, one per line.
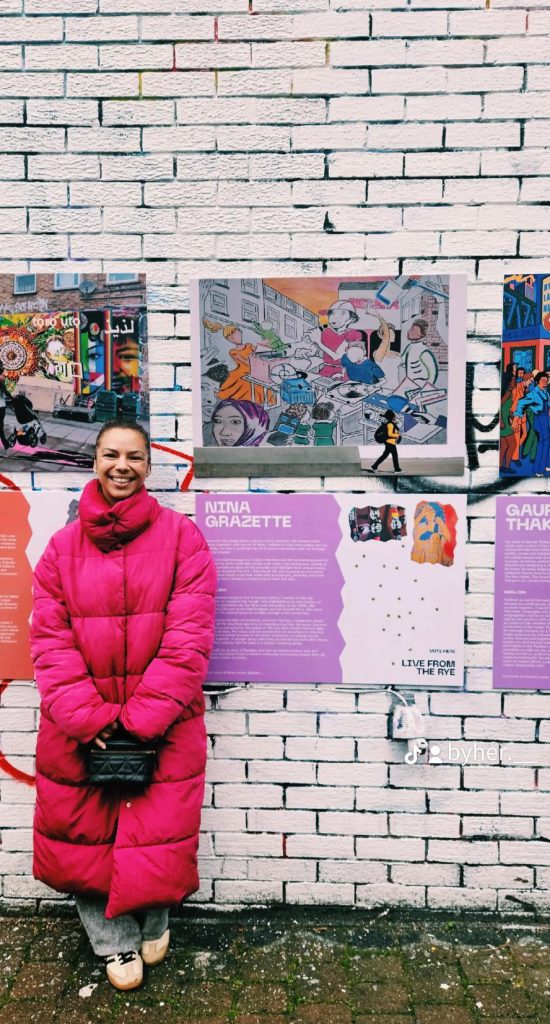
<point x="324" y="362"/>
<point x="525" y="377"/>
<point x="434" y="533"/>
<point x="387" y="522"/>
<point x="73" y="354"/>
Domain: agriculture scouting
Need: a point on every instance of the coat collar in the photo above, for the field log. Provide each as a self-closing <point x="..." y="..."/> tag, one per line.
<point x="109" y="526"/>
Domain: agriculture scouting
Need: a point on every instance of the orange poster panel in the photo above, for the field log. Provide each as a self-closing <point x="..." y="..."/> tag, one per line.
<point x="15" y="587"/>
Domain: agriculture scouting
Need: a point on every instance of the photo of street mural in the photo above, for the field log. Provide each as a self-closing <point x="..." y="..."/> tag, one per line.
<point x="322" y="362"/>
<point x="525" y="375"/>
<point x="72" y="356"/>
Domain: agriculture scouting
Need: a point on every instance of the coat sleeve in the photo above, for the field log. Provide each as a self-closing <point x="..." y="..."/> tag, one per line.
<point x="67" y="690"/>
<point x="174" y="678"/>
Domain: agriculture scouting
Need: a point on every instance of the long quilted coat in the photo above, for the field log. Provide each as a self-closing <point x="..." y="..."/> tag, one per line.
<point x="122" y="629"/>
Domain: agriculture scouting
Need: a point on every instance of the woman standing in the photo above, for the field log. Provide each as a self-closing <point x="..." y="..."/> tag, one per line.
<point x="121" y="635"/>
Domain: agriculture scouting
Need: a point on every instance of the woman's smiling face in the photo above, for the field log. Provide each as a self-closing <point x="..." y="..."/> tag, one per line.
<point x="227" y="426"/>
<point x="121" y="463"/>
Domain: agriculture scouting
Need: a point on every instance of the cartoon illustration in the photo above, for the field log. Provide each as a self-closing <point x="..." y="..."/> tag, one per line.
<point x="388" y="522"/>
<point x="239" y="422"/>
<point x="365" y="346"/>
<point x="434" y="533"/>
<point x="525" y="375"/>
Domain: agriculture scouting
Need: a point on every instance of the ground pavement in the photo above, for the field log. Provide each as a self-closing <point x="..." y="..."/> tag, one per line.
<point x="284" y="966"/>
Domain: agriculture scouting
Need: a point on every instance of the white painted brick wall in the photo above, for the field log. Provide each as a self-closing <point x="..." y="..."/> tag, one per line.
<point x="190" y="139"/>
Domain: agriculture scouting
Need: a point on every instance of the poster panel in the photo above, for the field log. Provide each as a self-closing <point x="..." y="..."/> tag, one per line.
<point x="27" y="521"/>
<point x="73" y="354"/>
<point x="521" y="658"/>
<point x="525" y="374"/>
<point x="337" y="588"/>
<point x="303" y="364"/>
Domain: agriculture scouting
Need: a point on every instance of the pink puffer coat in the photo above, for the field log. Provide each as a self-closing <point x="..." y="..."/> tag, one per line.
<point x="122" y="628"/>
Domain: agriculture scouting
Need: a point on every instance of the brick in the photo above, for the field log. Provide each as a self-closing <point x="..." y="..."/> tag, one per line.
<point x="391" y="894"/>
<point x="130" y="112"/>
<point x="352" y="871"/>
<point x="499" y="827"/>
<point x="321" y="892"/>
<point x="29" y="29"/>
<point x="63" y="56"/>
<point x="251" y="82"/>
<point x="484" y="135"/>
<point x="487" y="23"/>
<point x="192" y="56"/>
<point x="444" y="108"/>
<point x="463" y="851"/>
<point x="102" y="84"/>
<point x="410" y="80"/>
<point x="456" y="899"/>
<point x="367" y="165"/>
<point x="288" y="55"/>
<point x="81" y="30"/>
<point x="286" y="821"/>
<point x="178" y="83"/>
<point x="387" y="849"/>
<point x="50" y="112"/>
<point x="370" y="53"/>
<point x="177" y="26"/>
<point x="248" y="891"/>
<point x="319" y="847"/>
<point x="531" y="852"/>
<point x="358" y="823"/>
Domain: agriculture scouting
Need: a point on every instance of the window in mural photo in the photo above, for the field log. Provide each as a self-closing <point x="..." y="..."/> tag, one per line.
<point x="317" y="362"/>
<point x="73" y="354"/>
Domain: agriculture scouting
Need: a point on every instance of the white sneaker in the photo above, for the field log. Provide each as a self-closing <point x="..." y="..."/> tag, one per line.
<point x="125" y="970"/>
<point x="154" y="950"/>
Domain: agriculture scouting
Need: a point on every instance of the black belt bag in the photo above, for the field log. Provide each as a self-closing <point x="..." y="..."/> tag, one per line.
<point x="126" y="761"/>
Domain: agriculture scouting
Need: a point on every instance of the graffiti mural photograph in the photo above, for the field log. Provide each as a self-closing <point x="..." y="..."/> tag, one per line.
<point x="308" y="363"/>
<point x="525" y="374"/>
<point x="73" y="354"/>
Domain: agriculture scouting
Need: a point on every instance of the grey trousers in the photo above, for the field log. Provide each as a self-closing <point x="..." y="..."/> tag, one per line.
<point x="118" y="934"/>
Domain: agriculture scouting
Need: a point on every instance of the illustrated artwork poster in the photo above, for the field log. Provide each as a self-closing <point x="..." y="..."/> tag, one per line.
<point x="338" y="588"/>
<point x="73" y="354"/>
<point x="317" y="361"/>
<point x="525" y="376"/>
<point x="27" y="521"/>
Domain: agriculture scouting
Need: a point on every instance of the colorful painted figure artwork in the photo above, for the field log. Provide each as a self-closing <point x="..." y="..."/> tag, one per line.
<point x="525" y="375"/>
<point x="324" y="361"/>
<point x="434" y="533"/>
<point x="382" y="523"/>
<point x="73" y="354"/>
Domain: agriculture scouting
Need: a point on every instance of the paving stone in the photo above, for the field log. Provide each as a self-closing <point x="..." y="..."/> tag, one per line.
<point x="504" y="1000"/>
<point x="381" y="998"/>
<point x="439" y="985"/>
<point x="385" y="1019"/>
<point x="322" y="984"/>
<point x="432" y="1015"/>
<point x="200" y="999"/>
<point x="483" y="965"/>
<point x="40" y="980"/>
<point x="264" y="1018"/>
<point x="320" y="1013"/>
<point x="262" y="999"/>
<point x="368" y="967"/>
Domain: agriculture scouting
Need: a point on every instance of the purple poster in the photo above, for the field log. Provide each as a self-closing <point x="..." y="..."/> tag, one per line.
<point x="522" y="594"/>
<point x="337" y="588"/>
<point x="279" y="587"/>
